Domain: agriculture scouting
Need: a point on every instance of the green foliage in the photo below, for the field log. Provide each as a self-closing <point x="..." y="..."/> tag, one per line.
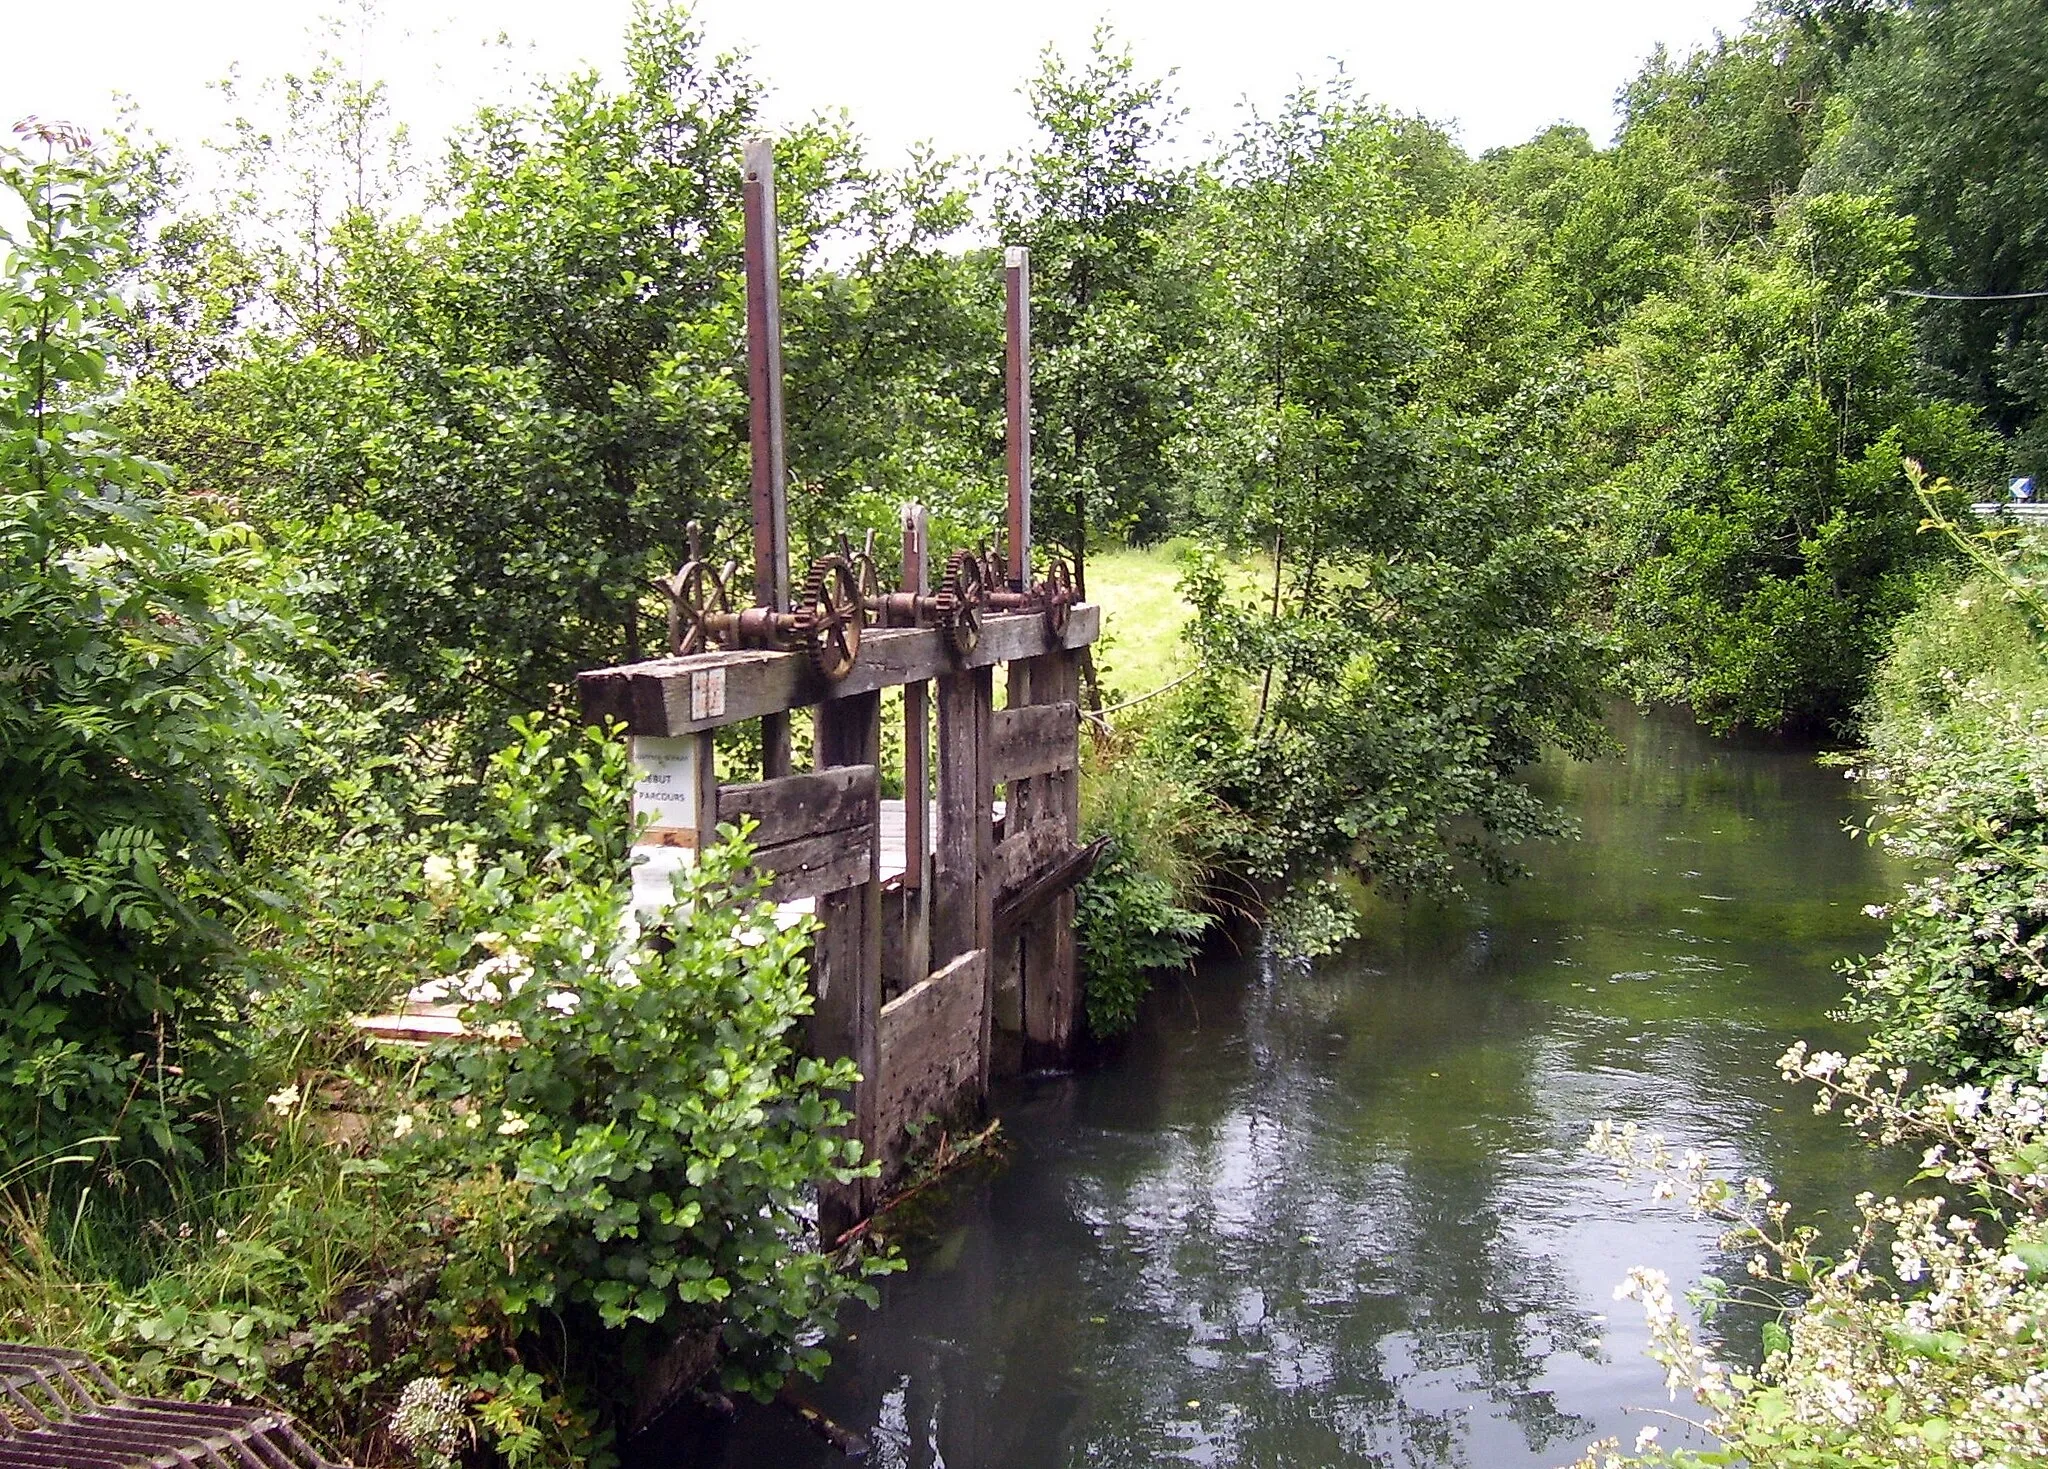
<point x="1110" y="315"/>
<point x="1764" y="538"/>
<point x="623" y="1148"/>
<point x="1138" y="912"/>
<point x="1958" y="730"/>
<point x="1944" y="114"/>
<point x="1386" y="415"/>
<point x="638" y="1135"/>
<point x="139" y="705"/>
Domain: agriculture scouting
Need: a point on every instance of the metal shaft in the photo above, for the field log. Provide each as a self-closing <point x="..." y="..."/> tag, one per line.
<point x="1017" y="382"/>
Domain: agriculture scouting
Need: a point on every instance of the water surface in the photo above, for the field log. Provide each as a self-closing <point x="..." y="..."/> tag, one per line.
<point x="1338" y="1216"/>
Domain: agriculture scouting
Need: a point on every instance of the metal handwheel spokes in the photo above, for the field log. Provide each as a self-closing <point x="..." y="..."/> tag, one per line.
<point x="695" y="593"/>
<point x="1057" y="593"/>
<point x="965" y="591"/>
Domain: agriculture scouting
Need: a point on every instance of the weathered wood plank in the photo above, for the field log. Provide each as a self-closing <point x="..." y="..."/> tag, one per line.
<point x="810" y="867"/>
<point x="1020" y="907"/>
<point x="1051" y="982"/>
<point x="965" y="796"/>
<point x="963" y="897"/>
<point x="661" y="696"/>
<point x="931" y="1052"/>
<point x="1036" y="739"/>
<point x="798" y="806"/>
<point x="1022" y="859"/>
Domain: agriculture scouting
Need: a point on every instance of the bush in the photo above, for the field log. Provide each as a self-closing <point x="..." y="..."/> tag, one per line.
<point x="1959" y="760"/>
<point x="619" y="1157"/>
<point x="1137" y="912"/>
<point x="139" y="709"/>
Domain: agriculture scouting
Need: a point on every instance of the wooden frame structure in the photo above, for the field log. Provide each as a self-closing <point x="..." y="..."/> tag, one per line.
<point x="938" y="962"/>
<point x="945" y="948"/>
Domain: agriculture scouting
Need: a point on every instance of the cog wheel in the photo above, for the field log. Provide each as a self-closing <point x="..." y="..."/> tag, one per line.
<point x="831" y="615"/>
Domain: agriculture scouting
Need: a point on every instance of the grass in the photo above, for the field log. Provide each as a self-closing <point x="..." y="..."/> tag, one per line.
<point x="1142" y="617"/>
<point x="1143" y="613"/>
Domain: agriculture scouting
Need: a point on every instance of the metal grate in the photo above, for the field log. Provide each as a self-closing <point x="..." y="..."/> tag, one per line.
<point x="59" y="1411"/>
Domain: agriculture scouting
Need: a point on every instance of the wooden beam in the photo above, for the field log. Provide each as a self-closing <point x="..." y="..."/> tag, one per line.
<point x="1057" y="881"/>
<point x="963" y="915"/>
<point x="1036" y="739"/>
<point x="798" y="806"/>
<point x="1022" y="859"/>
<point x="811" y="867"/>
<point x="1042" y="904"/>
<point x="675" y="696"/>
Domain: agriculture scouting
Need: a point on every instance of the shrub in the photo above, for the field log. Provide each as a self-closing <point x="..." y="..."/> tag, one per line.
<point x="138" y="707"/>
<point x="1138" y="911"/>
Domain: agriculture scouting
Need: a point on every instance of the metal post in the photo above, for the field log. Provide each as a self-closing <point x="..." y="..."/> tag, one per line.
<point x="765" y="418"/>
<point x="1017" y="375"/>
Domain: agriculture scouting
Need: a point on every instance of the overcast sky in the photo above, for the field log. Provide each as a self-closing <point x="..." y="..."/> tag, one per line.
<point x="906" y="69"/>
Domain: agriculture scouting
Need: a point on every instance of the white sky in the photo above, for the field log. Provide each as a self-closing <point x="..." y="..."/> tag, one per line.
<point x="905" y="69"/>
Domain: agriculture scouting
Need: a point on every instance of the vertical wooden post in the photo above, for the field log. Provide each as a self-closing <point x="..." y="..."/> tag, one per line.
<point x="1050" y="977"/>
<point x="847" y="963"/>
<point x="963" y="897"/>
<point x="1017" y="396"/>
<point x="917" y="710"/>
<point x="765" y="414"/>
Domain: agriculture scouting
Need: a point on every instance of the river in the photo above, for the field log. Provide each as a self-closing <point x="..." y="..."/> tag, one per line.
<point x="1338" y="1215"/>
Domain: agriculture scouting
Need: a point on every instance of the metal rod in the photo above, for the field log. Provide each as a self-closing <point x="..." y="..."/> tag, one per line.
<point x="917" y="847"/>
<point x="765" y="415"/>
<point x="764" y="380"/>
<point x="1017" y="376"/>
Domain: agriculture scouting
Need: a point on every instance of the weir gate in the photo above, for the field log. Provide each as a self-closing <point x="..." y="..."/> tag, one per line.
<point x="945" y="949"/>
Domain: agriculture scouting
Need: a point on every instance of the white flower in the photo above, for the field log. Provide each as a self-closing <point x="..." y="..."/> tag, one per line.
<point x="512" y="1126"/>
<point x="283" y="1099"/>
<point x="565" y="1002"/>
<point x="439" y="873"/>
<point x="401" y="1125"/>
<point x="1646" y="1439"/>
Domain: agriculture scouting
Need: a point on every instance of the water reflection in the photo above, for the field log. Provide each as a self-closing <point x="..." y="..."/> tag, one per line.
<point x="1339" y="1217"/>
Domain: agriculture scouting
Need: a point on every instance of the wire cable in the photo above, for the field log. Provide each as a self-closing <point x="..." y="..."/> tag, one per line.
<point x="1954" y="296"/>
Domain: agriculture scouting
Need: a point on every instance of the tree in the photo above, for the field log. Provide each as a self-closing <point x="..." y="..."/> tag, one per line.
<point x="1945" y="114"/>
<point x="1384" y="409"/>
<point x="1764" y="536"/>
<point x="1097" y="206"/>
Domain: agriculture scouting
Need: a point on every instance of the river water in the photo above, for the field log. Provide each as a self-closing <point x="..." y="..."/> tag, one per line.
<point x="1339" y="1216"/>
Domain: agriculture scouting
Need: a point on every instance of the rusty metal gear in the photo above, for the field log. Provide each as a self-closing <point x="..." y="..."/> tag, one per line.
<point x="1056" y="592"/>
<point x="695" y="593"/>
<point x="830" y="616"/>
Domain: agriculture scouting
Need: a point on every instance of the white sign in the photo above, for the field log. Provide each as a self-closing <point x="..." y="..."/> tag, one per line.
<point x="668" y="789"/>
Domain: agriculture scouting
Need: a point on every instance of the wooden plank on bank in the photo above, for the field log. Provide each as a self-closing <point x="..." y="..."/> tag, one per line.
<point x="804" y="805"/>
<point x="674" y="696"/>
<point x="1036" y="739"/>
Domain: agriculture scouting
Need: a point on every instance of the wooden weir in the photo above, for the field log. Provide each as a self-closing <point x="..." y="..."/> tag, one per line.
<point x="936" y="961"/>
<point x="945" y="945"/>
